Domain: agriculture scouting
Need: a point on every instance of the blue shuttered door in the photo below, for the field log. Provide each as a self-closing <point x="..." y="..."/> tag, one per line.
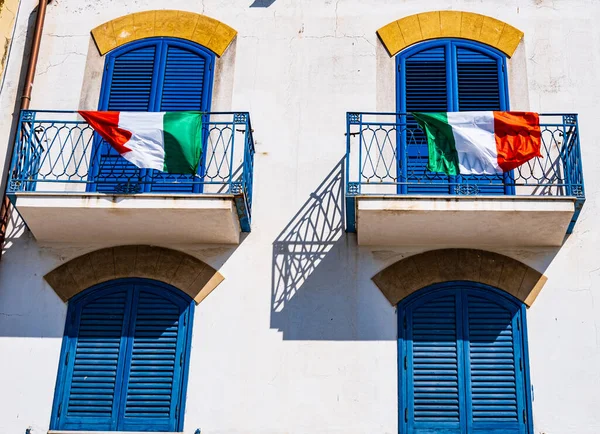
<point x="447" y="76"/>
<point x="126" y="348"/>
<point x="426" y="88"/>
<point x="185" y="86"/>
<point x="155" y="75"/>
<point x="96" y="331"/>
<point x="462" y="365"/>
<point x="128" y="83"/>
<point x="480" y="81"/>
<point x="156" y="352"/>
<point x="494" y="370"/>
<point x="432" y="364"/>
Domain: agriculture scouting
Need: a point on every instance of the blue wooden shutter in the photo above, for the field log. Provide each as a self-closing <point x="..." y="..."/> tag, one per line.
<point x="158" y="75"/>
<point x="462" y="366"/>
<point x="480" y="87"/>
<point x="155" y="357"/>
<point x="447" y="76"/>
<point x="494" y="375"/>
<point x="186" y="85"/>
<point x="426" y="88"/>
<point x="96" y="331"/>
<point x="125" y="358"/>
<point x="433" y="360"/>
<point x="186" y="75"/>
<point x="479" y="81"/>
<point x="128" y="86"/>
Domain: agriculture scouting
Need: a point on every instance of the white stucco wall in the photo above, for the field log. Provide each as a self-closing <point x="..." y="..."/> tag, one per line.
<point x="313" y="350"/>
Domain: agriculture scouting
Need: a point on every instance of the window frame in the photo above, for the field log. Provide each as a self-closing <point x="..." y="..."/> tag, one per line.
<point x="429" y="292"/>
<point x="67" y="341"/>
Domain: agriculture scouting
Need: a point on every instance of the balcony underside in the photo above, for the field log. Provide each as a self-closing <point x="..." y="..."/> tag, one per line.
<point x="130" y="219"/>
<point x="499" y="221"/>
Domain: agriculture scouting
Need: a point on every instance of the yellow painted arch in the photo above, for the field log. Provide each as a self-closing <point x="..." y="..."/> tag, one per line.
<point x="407" y="31"/>
<point x="203" y="30"/>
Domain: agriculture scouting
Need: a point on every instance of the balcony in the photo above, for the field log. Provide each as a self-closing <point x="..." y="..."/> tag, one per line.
<point x="67" y="190"/>
<point x="392" y="199"/>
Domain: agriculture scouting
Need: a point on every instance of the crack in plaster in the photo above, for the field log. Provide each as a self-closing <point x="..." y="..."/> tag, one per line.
<point x="11" y="314"/>
<point x="53" y="65"/>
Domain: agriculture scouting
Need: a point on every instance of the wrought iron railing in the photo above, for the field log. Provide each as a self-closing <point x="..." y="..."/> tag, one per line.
<point x="58" y="152"/>
<point x="386" y="154"/>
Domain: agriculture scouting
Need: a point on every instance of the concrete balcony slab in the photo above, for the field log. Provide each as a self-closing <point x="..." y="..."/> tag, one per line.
<point x="129" y="219"/>
<point x="459" y="221"/>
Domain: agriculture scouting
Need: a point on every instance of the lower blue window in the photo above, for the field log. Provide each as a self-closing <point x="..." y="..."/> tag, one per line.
<point x="463" y="362"/>
<point x="124" y="358"/>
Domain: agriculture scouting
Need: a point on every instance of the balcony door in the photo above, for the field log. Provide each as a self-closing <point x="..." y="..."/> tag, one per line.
<point x="159" y="74"/>
<point x="445" y="76"/>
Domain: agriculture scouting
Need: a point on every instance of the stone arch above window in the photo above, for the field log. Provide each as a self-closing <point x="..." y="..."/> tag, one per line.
<point x="203" y="30"/>
<point x="408" y="275"/>
<point x="407" y="31"/>
<point x="187" y="273"/>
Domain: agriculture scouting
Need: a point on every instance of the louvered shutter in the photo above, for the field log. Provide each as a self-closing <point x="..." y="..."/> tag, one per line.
<point x="126" y="352"/>
<point x="452" y="76"/>
<point x="129" y="87"/>
<point x="94" y="362"/>
<point x="426" y="89"/>
<point x="461" y="367"/>
<point x="164" y="75"/>
<point x="494" y="373"/>
<point x="480" y="87"/>
<point x="433" y="363"/>
<point x="185" y="86"/>
<point x="152" y="386"/>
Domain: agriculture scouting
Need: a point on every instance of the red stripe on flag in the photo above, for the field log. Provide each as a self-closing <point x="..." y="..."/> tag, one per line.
<point x="107" y="125"/>
<point x="518" y="138"/>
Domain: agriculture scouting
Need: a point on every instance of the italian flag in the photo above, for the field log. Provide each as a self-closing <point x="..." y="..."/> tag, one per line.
<point x="480" y="143"/>
<point x="167" y="141"/>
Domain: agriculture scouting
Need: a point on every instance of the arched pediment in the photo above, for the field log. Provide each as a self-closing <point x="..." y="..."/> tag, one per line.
<point x="203" y="30"/>
<point x="185" y="272"/>
<point x="408" y="275"/>
<point x="407" y="31"/>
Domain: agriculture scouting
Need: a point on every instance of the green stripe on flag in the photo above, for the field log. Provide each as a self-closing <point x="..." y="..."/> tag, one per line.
<point x="440" y="140"/>
<point x="183" y="142"/>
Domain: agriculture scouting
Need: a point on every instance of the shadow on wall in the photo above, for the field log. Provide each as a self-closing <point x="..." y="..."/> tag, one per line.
<point x="262" y="3"/>
<point x="15" y="228"/>
<point x="315" y="294"/>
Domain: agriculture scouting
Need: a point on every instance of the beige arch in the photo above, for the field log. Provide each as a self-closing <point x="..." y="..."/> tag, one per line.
<point x="203" y="30"/>
<point x="179" y="269"/>
<point x="408" y="275"/>
<point x="407" y="31"/>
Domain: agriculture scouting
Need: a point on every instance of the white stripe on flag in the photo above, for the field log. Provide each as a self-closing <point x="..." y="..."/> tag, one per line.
<point x="475" y="142"/>
<point x="147" y="141"/>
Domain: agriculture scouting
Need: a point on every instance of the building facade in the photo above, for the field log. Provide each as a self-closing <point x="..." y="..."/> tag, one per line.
<point x="312" y="275"/>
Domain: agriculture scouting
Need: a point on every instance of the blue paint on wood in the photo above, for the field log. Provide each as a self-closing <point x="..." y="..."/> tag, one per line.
<point x="157" y="74"/>
<point x="463" y="363"/>
<point x="439" y="76"/>
<point x="125" y="358"/>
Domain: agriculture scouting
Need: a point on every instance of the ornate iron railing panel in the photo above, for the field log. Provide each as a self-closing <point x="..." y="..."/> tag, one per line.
<point x="387" y="155"/>
<point x="58" y="152"/>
